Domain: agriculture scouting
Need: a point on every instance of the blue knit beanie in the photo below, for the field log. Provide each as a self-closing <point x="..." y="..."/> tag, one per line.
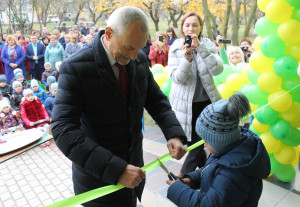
<point x="53" y="86"/>
<point x="218" y="124"/>
<point x="16" y="83"/>
<point x="19" y="75"/>
<point x="34" y="83"/>
<point x="3" y="78"/>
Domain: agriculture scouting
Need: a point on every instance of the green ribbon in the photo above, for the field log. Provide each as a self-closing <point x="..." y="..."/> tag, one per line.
<point x="99" y="192"/>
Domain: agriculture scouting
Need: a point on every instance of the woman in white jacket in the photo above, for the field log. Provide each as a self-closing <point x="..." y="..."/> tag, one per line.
<point x="191" y="69"/>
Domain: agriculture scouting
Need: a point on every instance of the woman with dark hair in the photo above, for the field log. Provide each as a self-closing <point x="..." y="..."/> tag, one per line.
<point x="45" y="41"/>
<point x="192" y="62"/>
<point x="13" y="56"/>
<point x="171" y="35"/>
<point x="4" y="36"/>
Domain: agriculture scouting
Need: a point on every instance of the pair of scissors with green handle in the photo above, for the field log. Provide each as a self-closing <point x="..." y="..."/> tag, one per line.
<point x="171" y="176"/>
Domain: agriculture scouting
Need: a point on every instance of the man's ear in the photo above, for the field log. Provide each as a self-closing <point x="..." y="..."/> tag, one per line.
<point x="108" y="33"/>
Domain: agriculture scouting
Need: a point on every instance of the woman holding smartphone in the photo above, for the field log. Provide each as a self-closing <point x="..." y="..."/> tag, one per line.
<point x="193" y="61"/>
<point x="159" y="50"/>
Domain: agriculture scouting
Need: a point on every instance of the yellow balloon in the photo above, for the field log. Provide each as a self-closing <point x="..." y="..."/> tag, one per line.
<point x="253" y="107"/>
<point x="225" y="91"/>
<point x="262" y="4"/>
<point x="286" y="155"/>
<point x="293" y="113"/>
<point x="260" y="63"/>
<point x="281" y="102"/>
<point x="269" y="81"/>
<point x="245" y="72"/>
<point x="160" y="79"/>
<point x="235" y="81"/>
<point x="256" y="43"/>
<point x="289" y="29"/>
<point x="259" y="126"/>
<point x="295" y="162"/>
<point x="293" y="50"/>
<point x="295" y="124"/>
<point x="279" y="11"/>
<point x="271" y="144"/>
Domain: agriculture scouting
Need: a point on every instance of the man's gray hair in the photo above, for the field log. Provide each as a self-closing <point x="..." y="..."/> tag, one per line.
<point x="121" y="18"/>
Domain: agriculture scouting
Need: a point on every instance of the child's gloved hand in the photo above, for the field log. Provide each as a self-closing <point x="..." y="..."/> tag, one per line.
<point x="47" y="119"/>
<point x="31" y="123"/>
<point x="2" y="115"/>
<point x="14" y="113"/>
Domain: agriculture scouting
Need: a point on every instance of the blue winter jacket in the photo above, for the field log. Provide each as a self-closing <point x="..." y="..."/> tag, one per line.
<point x="49" y="104"/>
<point x="232" y="177"/>
<point x="41" y="94"/>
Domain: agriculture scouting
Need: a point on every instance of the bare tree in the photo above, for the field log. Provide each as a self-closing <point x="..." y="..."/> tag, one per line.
<point x="235" y="25"/>
<point x="207" y="20"/>
<point x="95" y="11"/>
<point x="227" y="17"/>
<point x="248" y="22"/>
<point x="154" y="10"/>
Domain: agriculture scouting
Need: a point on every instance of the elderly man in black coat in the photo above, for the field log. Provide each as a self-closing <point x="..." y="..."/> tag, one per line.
<point x="97" y="117"/>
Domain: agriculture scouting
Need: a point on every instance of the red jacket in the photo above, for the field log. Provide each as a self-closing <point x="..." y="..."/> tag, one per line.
<point x="32" y="112"/>
<point x="158" y="57"/>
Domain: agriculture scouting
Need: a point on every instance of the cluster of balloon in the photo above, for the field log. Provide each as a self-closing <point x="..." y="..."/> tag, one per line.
<point x="160" y="74"/>
<point x="271" y="84"/>
<point x="274" y="82"/>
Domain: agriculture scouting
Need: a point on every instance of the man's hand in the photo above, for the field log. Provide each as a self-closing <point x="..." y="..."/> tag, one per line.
<point x="176" y="148"/>
<point x="35" y="58"/>
<point x="132" y="176"/>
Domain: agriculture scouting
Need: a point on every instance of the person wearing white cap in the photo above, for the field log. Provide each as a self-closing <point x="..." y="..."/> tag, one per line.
<point x="49" y="103"/>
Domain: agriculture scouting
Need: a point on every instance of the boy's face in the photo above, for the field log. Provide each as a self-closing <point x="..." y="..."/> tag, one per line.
<point x="20" y="79"/>
<point x="54" y="92"/>
<point x="3" y="84"/>
<point x="48" y="67"/>
<point x="5" y="109"/>
<point x="18" y="89"/>
<point x="35" y="88"/>
<point x="30" y="97"/>
<point x="209" y="148"/>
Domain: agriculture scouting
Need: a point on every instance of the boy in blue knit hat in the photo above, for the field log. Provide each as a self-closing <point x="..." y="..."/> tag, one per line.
<point x="233" y="173"/>
<point x="49" y="103"/>
<point x="5" y="88"/>
<point x="16" y="97"/>
<point x="37" y="91"/>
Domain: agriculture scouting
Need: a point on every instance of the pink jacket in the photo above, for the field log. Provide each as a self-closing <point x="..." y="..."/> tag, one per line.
<point x="158" y="57"/>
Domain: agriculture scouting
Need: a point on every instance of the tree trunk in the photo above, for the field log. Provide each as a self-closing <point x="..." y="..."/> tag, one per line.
<point x="227" y="17"/>
<point x="245" y="11"/>
<point x="207" y="20"/>
<point x="250" y="20"/>
<point x="236" y="27"/>
<point x="154" y="17"/>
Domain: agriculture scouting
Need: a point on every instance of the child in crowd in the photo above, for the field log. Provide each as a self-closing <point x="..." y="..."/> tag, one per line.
<point x="233" y="173"/>
<point x="48" y="72"/>
<point x="16" y="96"/>
<point x="56" y="72"/>
<point x="33" y="111"/>
<point x="51" y="79"/>
<point x="9" y="117"/>
<point x="49" y="103"/>
<point x="19" y="77"/>
<point x="38" y="92"/>
<point x="16" y="71"/>
<point x="5" y="88"/>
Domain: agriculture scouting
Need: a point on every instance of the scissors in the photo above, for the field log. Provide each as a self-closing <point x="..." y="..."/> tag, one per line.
<point x="171" y="176"/>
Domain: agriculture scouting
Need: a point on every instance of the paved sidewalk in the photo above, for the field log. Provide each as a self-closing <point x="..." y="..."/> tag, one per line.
<point x="42" y="176"/>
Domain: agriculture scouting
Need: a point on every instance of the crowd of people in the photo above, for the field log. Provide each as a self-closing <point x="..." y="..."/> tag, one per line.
<point x="106" y="87"/>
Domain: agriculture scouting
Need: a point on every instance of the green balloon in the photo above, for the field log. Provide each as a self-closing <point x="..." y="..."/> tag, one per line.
<point x="227" y="70"/>
<point x="266" y="115"/>
<point x="216" y="80"/>
<point x="294" y="138"/>
<point x="281" y="129"/>
<point x="251" y="128"/>
<point x="239" y="67"/>
<point x="265" y="27"/>
<point x="272" y="46"/>
<point x="286" y="173"/>
<point x="296" y="98"/>
<point x="165" y="88"/>
<point x="245" y="89"/>
<point x="253" y="76"/>
<point x="285" y="66"/>
<point x="169" y="81"/>
<point x="256" y="95"/>
<point x="296" y="14"/>
<point x="275" y="165"/>
<point x="290" y="84"/>
<point x="294" y="3"/>
<point x="156" y="69"/>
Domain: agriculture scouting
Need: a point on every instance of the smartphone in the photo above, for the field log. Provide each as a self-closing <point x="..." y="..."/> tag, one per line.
<point x="160" y="38"/>
<point x="188" y="40"/>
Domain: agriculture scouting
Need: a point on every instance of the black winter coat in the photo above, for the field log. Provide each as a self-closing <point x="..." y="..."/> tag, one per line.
<point x="102" y="133"/>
